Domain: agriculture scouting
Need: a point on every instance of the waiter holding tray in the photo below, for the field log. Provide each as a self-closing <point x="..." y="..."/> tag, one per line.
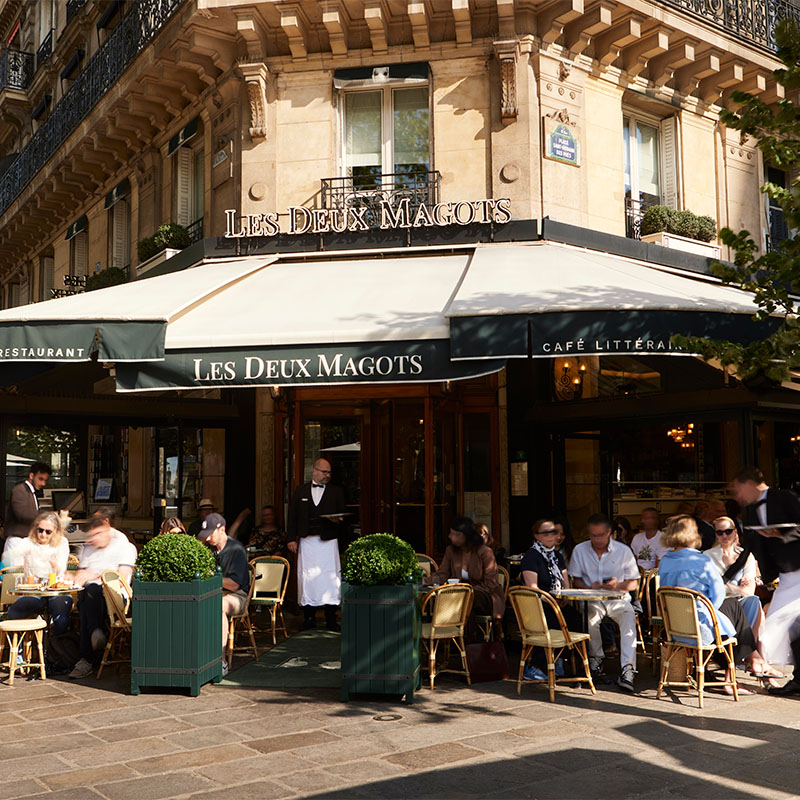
<point x="771" y="519"/>
<point x="315" y="520"/>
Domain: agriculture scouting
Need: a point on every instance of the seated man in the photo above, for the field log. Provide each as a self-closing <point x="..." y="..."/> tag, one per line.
<point x="232" y="558"/>
<point x="602" y="563"/>
<point x="103" y="550"/>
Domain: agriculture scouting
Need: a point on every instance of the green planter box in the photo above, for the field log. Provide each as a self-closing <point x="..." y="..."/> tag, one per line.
<point x="380" y="640"/>
<point x="176" y="634"/>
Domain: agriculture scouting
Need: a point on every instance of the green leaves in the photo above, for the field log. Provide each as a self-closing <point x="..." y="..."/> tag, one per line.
<point x="175" y="558"/>
<point x="380" y="559"/>
<point x="170" y="234"/>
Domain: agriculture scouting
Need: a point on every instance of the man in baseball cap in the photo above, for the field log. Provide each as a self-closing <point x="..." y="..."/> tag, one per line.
<point x="232" y="558"/>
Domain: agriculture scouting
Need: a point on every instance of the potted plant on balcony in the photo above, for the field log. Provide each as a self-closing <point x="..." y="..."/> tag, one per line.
<point x="380" y="617"/>
<point x="169" y="239"/>
<point x="177" y="615"/>
<point x="680" y="230"/>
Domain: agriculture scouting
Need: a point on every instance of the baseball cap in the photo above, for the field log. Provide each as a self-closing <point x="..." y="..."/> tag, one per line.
<point x="210" y="524"/>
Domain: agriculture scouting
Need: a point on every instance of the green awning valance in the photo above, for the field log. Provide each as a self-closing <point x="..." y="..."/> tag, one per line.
<point x="183" y="136"/>
<point x="77" y="227"/>
<point x="121" y="190"/>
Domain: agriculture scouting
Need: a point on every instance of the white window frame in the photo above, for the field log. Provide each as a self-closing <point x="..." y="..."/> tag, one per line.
<point x="387" y="121"/>
<point x="669" y="173"/>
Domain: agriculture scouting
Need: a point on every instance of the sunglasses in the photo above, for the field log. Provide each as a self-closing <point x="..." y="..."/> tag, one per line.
<point x="547" y="532"/>
<point x="726" y="531"/>
<point x="45" y="530"/>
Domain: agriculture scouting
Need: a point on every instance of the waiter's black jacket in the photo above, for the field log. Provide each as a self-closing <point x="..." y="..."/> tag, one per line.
<point x="774" y="555"/>
<point x="304" y="516"/>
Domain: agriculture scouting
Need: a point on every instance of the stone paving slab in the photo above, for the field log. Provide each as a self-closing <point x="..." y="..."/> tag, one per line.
<point x="90" y="739"/>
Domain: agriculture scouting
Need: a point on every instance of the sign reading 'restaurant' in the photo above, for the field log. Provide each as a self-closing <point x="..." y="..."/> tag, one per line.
<point x="383" y="214"/>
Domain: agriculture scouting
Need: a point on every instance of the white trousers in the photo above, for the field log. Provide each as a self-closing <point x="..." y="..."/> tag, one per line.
<point x="621" y="611"/>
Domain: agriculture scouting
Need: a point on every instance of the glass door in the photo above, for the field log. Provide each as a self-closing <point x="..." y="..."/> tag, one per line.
<point x="166" y="475"/>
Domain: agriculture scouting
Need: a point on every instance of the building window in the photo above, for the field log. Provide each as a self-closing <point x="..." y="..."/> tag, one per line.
<point x="119" y="234"/>
<point x="190" y="189"/>
<point x="386" y="132"/>
<point x="778" y="230"/>
<point x="79" y="254"/>
<point x="650" y="152"/>
<point x="46" y="277"/>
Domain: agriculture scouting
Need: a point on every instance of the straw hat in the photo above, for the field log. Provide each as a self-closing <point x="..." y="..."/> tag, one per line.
<point x="205" y="503"/>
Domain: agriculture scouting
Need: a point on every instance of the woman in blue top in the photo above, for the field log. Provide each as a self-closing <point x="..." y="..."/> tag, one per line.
<point x="688" y="568"/>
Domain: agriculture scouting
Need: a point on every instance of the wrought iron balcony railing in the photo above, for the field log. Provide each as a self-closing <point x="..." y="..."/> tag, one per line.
<point x="73" y="7"/>
<point x="195" y="230"/>
<point x="45" y="49"/>
<point x="16" y="70"/>
<point x="369" y="191"/>
<point x="634" y="211"/>
<point x="752" y="20"/>
<point x="135" y="31"/>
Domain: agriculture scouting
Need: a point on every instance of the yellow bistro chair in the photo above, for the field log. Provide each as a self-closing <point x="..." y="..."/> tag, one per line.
<point x="243" y="620"/>
<point x="118" y="596"/>
<point x="529" y="607"/>
<point x="486" y="621"/>
<point x="449" y="608"/>
<point x="426" y="564"/>
<point x="681" y="625"/>
<point x="270" y="579"/>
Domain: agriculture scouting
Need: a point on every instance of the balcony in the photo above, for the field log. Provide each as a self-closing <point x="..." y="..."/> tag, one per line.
<point x="369" y="191"/>
<point x="778" y="229"/>
<point x="16" y="70"/>
<point x="133" y="34"/>
<point x="73" y="7"/>
<point x="634" y="211"/>
<point x="754" y="21"/>
<point x="45" y="49"/>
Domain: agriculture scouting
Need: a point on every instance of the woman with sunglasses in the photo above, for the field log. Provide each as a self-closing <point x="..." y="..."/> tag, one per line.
<point x="43" y="553"/>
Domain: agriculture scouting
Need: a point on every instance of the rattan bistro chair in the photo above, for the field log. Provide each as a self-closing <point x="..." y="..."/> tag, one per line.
<point x="682" y="626"/>
<point x="427" y="564"/>
<point x="486" y="622"/>
<point x="529" y="607"/>
<point x="8" y="576"/>
<point x="270" y="579"/>
<point x="18" y="633"/>
<point x="242" y="619"/>
<point x="449" y="607"/>
<point x="118" y="596"/>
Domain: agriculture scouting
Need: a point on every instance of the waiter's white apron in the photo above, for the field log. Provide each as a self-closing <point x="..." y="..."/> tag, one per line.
<point x="319" y="572"/>
<point x="782" y="624"/>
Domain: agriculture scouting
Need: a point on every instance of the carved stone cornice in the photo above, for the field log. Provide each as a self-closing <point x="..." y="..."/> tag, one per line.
<point x="255" y="76"/>
<point x="507" y="53"/>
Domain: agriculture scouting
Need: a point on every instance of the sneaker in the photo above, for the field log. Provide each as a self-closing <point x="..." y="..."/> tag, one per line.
<point x="99" y="639"/>
<point x="625" y="680"/>
<point x="532" y="673"/>
<point x="225" y="669"/>
<point x="595" y="667"/>
<point x="83" y="669"/>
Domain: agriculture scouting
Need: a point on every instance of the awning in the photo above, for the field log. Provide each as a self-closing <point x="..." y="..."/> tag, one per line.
<point x="122" y="189"/>
<point x="546" y="299"/>
<point x="183" y="136"/>
<point x="77" y="227"/>
<point x="317" y="322"/>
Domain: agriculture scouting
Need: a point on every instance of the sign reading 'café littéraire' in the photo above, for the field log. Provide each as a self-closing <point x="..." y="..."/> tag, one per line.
<point x="385" y="215"/>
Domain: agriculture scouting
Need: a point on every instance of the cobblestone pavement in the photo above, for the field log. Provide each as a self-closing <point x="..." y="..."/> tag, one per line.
<point x="89" y="739"/>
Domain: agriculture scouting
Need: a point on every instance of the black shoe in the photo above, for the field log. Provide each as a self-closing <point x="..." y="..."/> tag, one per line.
<point x="332" y="626"/>
<point x="793" y="687"/>
<point x="308" y="625"/>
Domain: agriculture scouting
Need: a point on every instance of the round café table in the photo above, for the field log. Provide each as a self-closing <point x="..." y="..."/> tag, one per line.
<point x="585" y="596"/>
<point x="45" y="592"/>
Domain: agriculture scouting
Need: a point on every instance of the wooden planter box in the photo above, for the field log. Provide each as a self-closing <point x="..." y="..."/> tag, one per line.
<point x="676" y="242"/>
<point x="176" y="637"/>
<point x="380" y="640"/>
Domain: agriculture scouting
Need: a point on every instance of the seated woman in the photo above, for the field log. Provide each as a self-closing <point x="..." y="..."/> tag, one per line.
<point x="565" y="544"/>
<point x="688" y="568"/>
<point x="44" y="552"/>
<point x="470" y="561"/>
<point x="500" y="555"/>
<point x="738" y="570"/>
<point x="268" y="538"/>
<point x="543" y="567"/>
<point x="172" y="525"/>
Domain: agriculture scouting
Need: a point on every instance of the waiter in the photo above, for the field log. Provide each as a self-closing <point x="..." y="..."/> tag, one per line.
<point x="23" y="507"/>
<point x="777" y="551"/>
<point x="315" y="520"/>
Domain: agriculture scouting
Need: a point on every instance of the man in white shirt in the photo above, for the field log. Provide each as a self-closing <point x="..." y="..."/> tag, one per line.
<point x="647" y="545"/>
<point x="602" y="563"/>
<point x="103" y="550"/>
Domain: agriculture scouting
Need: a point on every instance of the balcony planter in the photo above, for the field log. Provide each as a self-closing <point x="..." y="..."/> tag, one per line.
<point x="177" y="615"/>
<point x="675" y="242"/>
<point x="381" y="621"/>
<point x="155" y="260"/>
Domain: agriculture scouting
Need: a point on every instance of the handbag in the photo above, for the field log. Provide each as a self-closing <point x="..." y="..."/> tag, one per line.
<point x="487" y="661"/>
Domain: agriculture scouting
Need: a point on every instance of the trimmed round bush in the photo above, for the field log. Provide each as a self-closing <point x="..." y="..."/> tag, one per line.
<point x="175" y="558"/>
<point x="380" y="559"/>
<point x="684" y="223"/>
<point x="656" y="219"/>
<point x="706" y="228"/>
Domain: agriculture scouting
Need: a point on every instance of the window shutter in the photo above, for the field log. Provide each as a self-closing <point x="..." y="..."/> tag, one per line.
<point x="47" y="277"/>
<point x="670" y="193"/>
<point x="198" y="186"/>
<point x="80" y="254"/>
<point x="24" y="289"/>
<point x="120" y="236"/>
<point x="183" y="186"/>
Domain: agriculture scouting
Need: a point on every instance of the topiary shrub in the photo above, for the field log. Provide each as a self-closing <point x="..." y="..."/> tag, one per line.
<point x="175" y="558"/>
<point x="684" y="223"/>
<point x="656" y="219"/>
<point x="706" y="228"/>
<point x="170" y="234"/>
<point x="380" y="559"/>
<point x="108" y="277"/>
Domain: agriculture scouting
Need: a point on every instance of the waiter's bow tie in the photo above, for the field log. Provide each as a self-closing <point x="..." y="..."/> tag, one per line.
<point x="317" y="485"/>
